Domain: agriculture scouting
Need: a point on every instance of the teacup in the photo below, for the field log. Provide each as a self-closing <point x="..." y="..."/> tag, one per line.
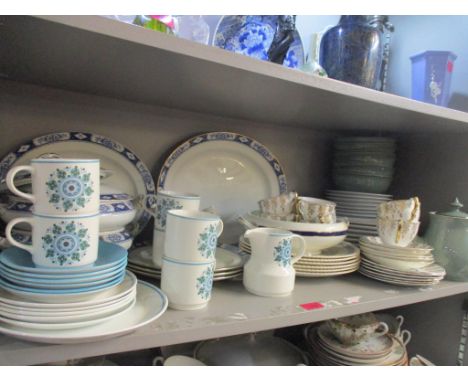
<point x="191" y="236"/>
<point x="354" y="329"/>
<point x="407" y="210"/>
<point x="313" y="210"/>
<point x="187" y="285"/>
<point x="61" y="186"/>
<point x="168" y="200"/>
<point x="279" y="207"/>
<point x="399" y="233"/>
<point x="60" y="241"/>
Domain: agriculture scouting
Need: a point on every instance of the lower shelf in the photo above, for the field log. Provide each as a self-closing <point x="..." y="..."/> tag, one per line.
<point x="233" y="310"/>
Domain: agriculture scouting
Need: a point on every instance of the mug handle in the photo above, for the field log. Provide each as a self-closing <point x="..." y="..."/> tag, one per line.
<point x="10" y="226"/>
<point x="158" y="361"/>
<point x="405" y="333"/>
<point x="400" y="320"/>
<point x="302" y="247"/>
<point x="11" y="185"/>
<point x="219" y="229"/>
<point x="382" y="329"/>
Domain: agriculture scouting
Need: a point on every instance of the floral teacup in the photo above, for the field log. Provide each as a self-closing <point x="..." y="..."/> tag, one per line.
<point x="354" y="329"/>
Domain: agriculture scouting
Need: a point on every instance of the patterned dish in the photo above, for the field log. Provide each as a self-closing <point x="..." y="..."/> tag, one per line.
<point x="252" y="36"/>
<point x="229" y="171"/>
<point x="128" y="172"/>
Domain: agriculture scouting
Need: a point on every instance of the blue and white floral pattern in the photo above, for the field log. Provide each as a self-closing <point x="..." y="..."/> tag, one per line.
<point x="205" y="282"/>
<point x="207" y="242"/>
<point x="282" y="253"/>
<point x="253" y="39"/>
<point x="108" y="208"/>
<point x="69" y="188"/>
<point x="66" y="242"/>
<point x="162" y="206"/>
<point x="11" y="158"/>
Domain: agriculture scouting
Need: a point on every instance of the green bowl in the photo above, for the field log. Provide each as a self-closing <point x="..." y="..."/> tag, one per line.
<point x="364" y="160"/>
<point x="362" y="183"/>
<point x="364" y="170"/>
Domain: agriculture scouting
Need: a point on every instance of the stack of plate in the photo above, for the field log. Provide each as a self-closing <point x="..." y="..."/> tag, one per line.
<point x="361" y="210"/>
<point x="410" y="266"/>
<point x="326" y="350"/>
<point x="229" y="263"/>
<point x="20" y="276"/>
<point x="338" y="260"/>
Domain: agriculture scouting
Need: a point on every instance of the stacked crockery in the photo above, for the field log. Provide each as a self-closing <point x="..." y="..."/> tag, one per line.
<point x="189" y="257"/>
<point x="360" y="208"/>
<point x="363" y="164"/>
<point x="396" y="256"/>
<point x="53" y="288"/>
<point x="359" y="340"/>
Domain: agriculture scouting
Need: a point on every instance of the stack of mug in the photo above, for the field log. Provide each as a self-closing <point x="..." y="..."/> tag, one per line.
<point x="65" y="221"/>
<point x="189" y="238"/>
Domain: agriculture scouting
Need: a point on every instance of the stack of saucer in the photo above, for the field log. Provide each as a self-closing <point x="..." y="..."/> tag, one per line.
<point x="229" y="263"/>
<point x="360" y="208"/>
<point x="326" y="350"/>
<point x="411" y="266"/>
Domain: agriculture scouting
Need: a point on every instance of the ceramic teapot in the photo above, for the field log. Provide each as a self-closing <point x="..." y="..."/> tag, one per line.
<point x="448" y="235"/>
<point x="269" y="271"/>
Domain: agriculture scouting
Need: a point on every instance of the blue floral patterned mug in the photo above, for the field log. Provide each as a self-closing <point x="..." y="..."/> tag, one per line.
<point x="269" y="271"/>
<point x="61" y="186"/>
<point x="60" y="241"/>
<point x="192" y="236"/>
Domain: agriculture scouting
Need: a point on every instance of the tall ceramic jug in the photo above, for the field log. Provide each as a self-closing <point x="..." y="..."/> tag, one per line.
<point x="355" y="50"/>
<point x="269" y="271"/>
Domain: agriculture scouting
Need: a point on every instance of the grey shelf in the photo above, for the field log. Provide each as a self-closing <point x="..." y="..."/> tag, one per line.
<point x="95" y="55"/>
<point x="233" y="310"/>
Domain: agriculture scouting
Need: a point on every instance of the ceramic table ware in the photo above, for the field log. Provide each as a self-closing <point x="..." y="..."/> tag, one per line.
<point x="353" y="329"/>
<point x="408" y="210"/>
<point x="230" y="172"/>
<point x="281" y="207"/>
<point x="168" y="200"/>
<point x="317" y="236"/>
<point x="448" y="234"/>
<point x="60" y="241"/>
<point x="200" y="232"/>
<point x="61" y="186"/>
<point x="269" y="271"/>
<point x="397" y="232"/>
<point x="187" y="285"/>
<point x="122" y="170"/>
<point x="313" y="210"/>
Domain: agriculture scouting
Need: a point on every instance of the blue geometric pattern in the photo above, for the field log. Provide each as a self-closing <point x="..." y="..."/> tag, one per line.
<point x="282" y="253"/>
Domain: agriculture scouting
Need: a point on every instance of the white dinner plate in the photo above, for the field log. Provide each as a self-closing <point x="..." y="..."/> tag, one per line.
<point x="359" y="195"/>
<point x="325" y="274"/>
<point x="91" y="299"/>
<point x="127" y="172"/>
<point x="150" y="304"/>
<point x="230" y="172"/>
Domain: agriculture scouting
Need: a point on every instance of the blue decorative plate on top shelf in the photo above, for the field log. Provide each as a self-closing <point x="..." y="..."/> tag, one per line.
<point x="252" y="36"/>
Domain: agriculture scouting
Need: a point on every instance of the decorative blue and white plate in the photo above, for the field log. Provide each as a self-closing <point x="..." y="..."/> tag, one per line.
<point x="109" y="255"/>
<point x="127" y="172"/>
<point x="252" y="36"/>
<point x="231" y="173"/>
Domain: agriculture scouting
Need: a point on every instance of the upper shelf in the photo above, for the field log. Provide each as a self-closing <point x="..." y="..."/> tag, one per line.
<point x="232" y="310"/>
<point x="96" y="55"/>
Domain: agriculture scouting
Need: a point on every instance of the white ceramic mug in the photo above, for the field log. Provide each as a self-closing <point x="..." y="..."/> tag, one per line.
<point x="187" y="285"/>
<point x="191" y="236"/>
<point x="61" y="186"/>
<point x="60" y="241"/>
<point x="397" y="232"/>
<point x="269" y="271"/>
<point x="168" y="200"/>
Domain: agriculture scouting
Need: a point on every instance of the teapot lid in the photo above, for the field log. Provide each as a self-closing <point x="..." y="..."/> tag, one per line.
<point x="455" y="211"/>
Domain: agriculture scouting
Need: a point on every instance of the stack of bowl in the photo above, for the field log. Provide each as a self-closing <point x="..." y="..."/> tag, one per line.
<point x="363" y="164"/>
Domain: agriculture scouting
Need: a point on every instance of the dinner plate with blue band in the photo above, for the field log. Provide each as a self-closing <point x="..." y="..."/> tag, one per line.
<point x="127" y="172"/>
<point x="229" y="171"/>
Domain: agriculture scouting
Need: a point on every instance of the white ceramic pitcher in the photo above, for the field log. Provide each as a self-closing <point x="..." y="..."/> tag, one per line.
<point x="269" y="271"/>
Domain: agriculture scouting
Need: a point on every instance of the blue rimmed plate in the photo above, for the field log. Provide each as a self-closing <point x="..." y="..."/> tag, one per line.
<point x="231" y="173"/>
<point x="252" y="36"/>
<point x="127" y="172"/>
<point x="109" y="255"/>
